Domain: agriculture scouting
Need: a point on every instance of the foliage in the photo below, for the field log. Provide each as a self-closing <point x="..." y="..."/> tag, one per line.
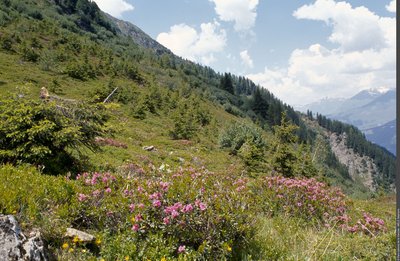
<point x="237" y="134"/>
<point x="147" y="213"/>
<point x="43" y="132"/>
<point x="188" y="118"/>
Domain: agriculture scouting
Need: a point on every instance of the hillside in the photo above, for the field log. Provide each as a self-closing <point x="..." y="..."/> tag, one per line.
<point x="369" y="110"/>
<point x="153" y="153"/>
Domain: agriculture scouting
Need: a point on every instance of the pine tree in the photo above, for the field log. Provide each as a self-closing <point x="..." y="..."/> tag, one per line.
<point x="226" y="83"/>
<point x="260" y="105"/>
<point x="284" y="156"/>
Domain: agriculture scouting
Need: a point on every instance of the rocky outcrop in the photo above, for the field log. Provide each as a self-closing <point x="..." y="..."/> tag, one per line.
<point x="138" y="36"/>
<point x="14" y="245"/>
<point x="360" y="167"/>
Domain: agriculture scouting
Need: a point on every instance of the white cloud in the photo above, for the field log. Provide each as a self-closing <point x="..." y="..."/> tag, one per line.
<point x="353" y="28"/>
<point x="358" y="61"/>
<point x="242" y="12"/>
<point x="114" y="7"/>
<point x="200" y="46"/>
<point x="246" y="59"/>
<point x="391" y="7"/>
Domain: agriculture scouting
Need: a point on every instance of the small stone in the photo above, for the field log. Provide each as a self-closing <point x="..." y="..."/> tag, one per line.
<point x="83" y="236"/>
<point x="149" y="148"/>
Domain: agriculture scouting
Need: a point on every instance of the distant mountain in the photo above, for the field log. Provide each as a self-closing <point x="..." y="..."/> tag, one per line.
<point x="384" y="135"/>
<point x="371" y="111"/>
<point x="324" y="106"/>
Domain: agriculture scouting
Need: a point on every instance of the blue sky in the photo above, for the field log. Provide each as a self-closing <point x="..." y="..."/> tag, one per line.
<point x="302" y="51"/>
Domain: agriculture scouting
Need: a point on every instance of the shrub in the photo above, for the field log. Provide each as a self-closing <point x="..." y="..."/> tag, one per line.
<point x="42" y="133"/>
<point x="190" y="213"/>
<point x="237" y="134"/>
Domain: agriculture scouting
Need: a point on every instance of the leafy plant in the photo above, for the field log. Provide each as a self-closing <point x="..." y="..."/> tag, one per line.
<point x="43" y="132"/>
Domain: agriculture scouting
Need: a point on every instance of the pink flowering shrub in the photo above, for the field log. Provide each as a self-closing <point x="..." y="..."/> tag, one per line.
<point x="301" y="197"/>
<point x="368" y="224"/>
<point x="197" y="210"/>
<point x="110" y="142"/>
<point x="200" y="214"/>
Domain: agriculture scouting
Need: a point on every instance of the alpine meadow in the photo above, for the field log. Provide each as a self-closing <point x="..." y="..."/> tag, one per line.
<point x="114" y="148"/>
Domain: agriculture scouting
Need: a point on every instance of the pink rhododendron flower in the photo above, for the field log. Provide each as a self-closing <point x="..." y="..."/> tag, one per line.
<point x="131" y="207"/>
<point x="82" y="197"/>
<point x="138" y="217"/>
<point x="108" y="190"/>
<point x="166" y="220"/>
<point x="181" y="249"/>
<point x="202" y="206"/>
<point x="140" y="205"/>
<point x="135" y="227"/>
<point x="156" y="203"/>
<point x="187" y="208"/>
<point x="174" y="213"/>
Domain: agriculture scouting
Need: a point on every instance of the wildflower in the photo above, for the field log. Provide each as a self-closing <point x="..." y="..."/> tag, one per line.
<point x="166" y="221"/>
<point x="82" y="197"/>
<point x="135" y="227"/>
<point x="140" y="205"/>
<point x="163" y="259"/>
<point x="108" y="190"/>
<point x="83" y="250"/>
<point x="131" y="207"/>
<point x="65" y="246"/>
<point x="187" y="208"/>
<point x="174" y="214"/>
<point x="156" y="203"/>
<point x="228" y="247"/>
<point x="71" y="250"/>
<point x="202" y="206"/>
<point x="76" y="239"/>
<point x="126" y="258"/>
<point x="181" y="249"/>
<point x="96" y="193"/>
<point x="138" y="217"/>
<point x="133" y="220"/>
<point x="98" y="241"/>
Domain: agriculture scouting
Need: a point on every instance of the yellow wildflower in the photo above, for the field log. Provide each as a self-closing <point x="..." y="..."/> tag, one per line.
<point x="126" y="258"/>
<point x="228" y="248"/>
<point x="163" y="259"/>
<point x="98" y="241"/>
<point x="83" y="250"/>
<point x="71" y="250"/>
<point x="133" y="219"/>
<point x="76" y="239"/>
<point x="65" y="246"/>
<point x="14" y="212"/>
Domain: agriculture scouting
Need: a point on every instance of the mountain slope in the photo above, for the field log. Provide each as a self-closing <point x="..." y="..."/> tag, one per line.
<point x="138" y="36"/>
<point x="384" y="135"/>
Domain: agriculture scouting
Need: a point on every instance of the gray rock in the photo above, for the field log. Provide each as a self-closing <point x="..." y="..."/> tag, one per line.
<point x="14" y="245"/>
<point x="83" y="236"/>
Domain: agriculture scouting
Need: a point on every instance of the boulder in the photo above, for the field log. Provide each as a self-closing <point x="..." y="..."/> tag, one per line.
<point x="14" y="245"/>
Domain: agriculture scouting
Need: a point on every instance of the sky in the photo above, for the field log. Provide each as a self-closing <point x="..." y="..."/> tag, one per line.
<point x="302" y="51"/>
